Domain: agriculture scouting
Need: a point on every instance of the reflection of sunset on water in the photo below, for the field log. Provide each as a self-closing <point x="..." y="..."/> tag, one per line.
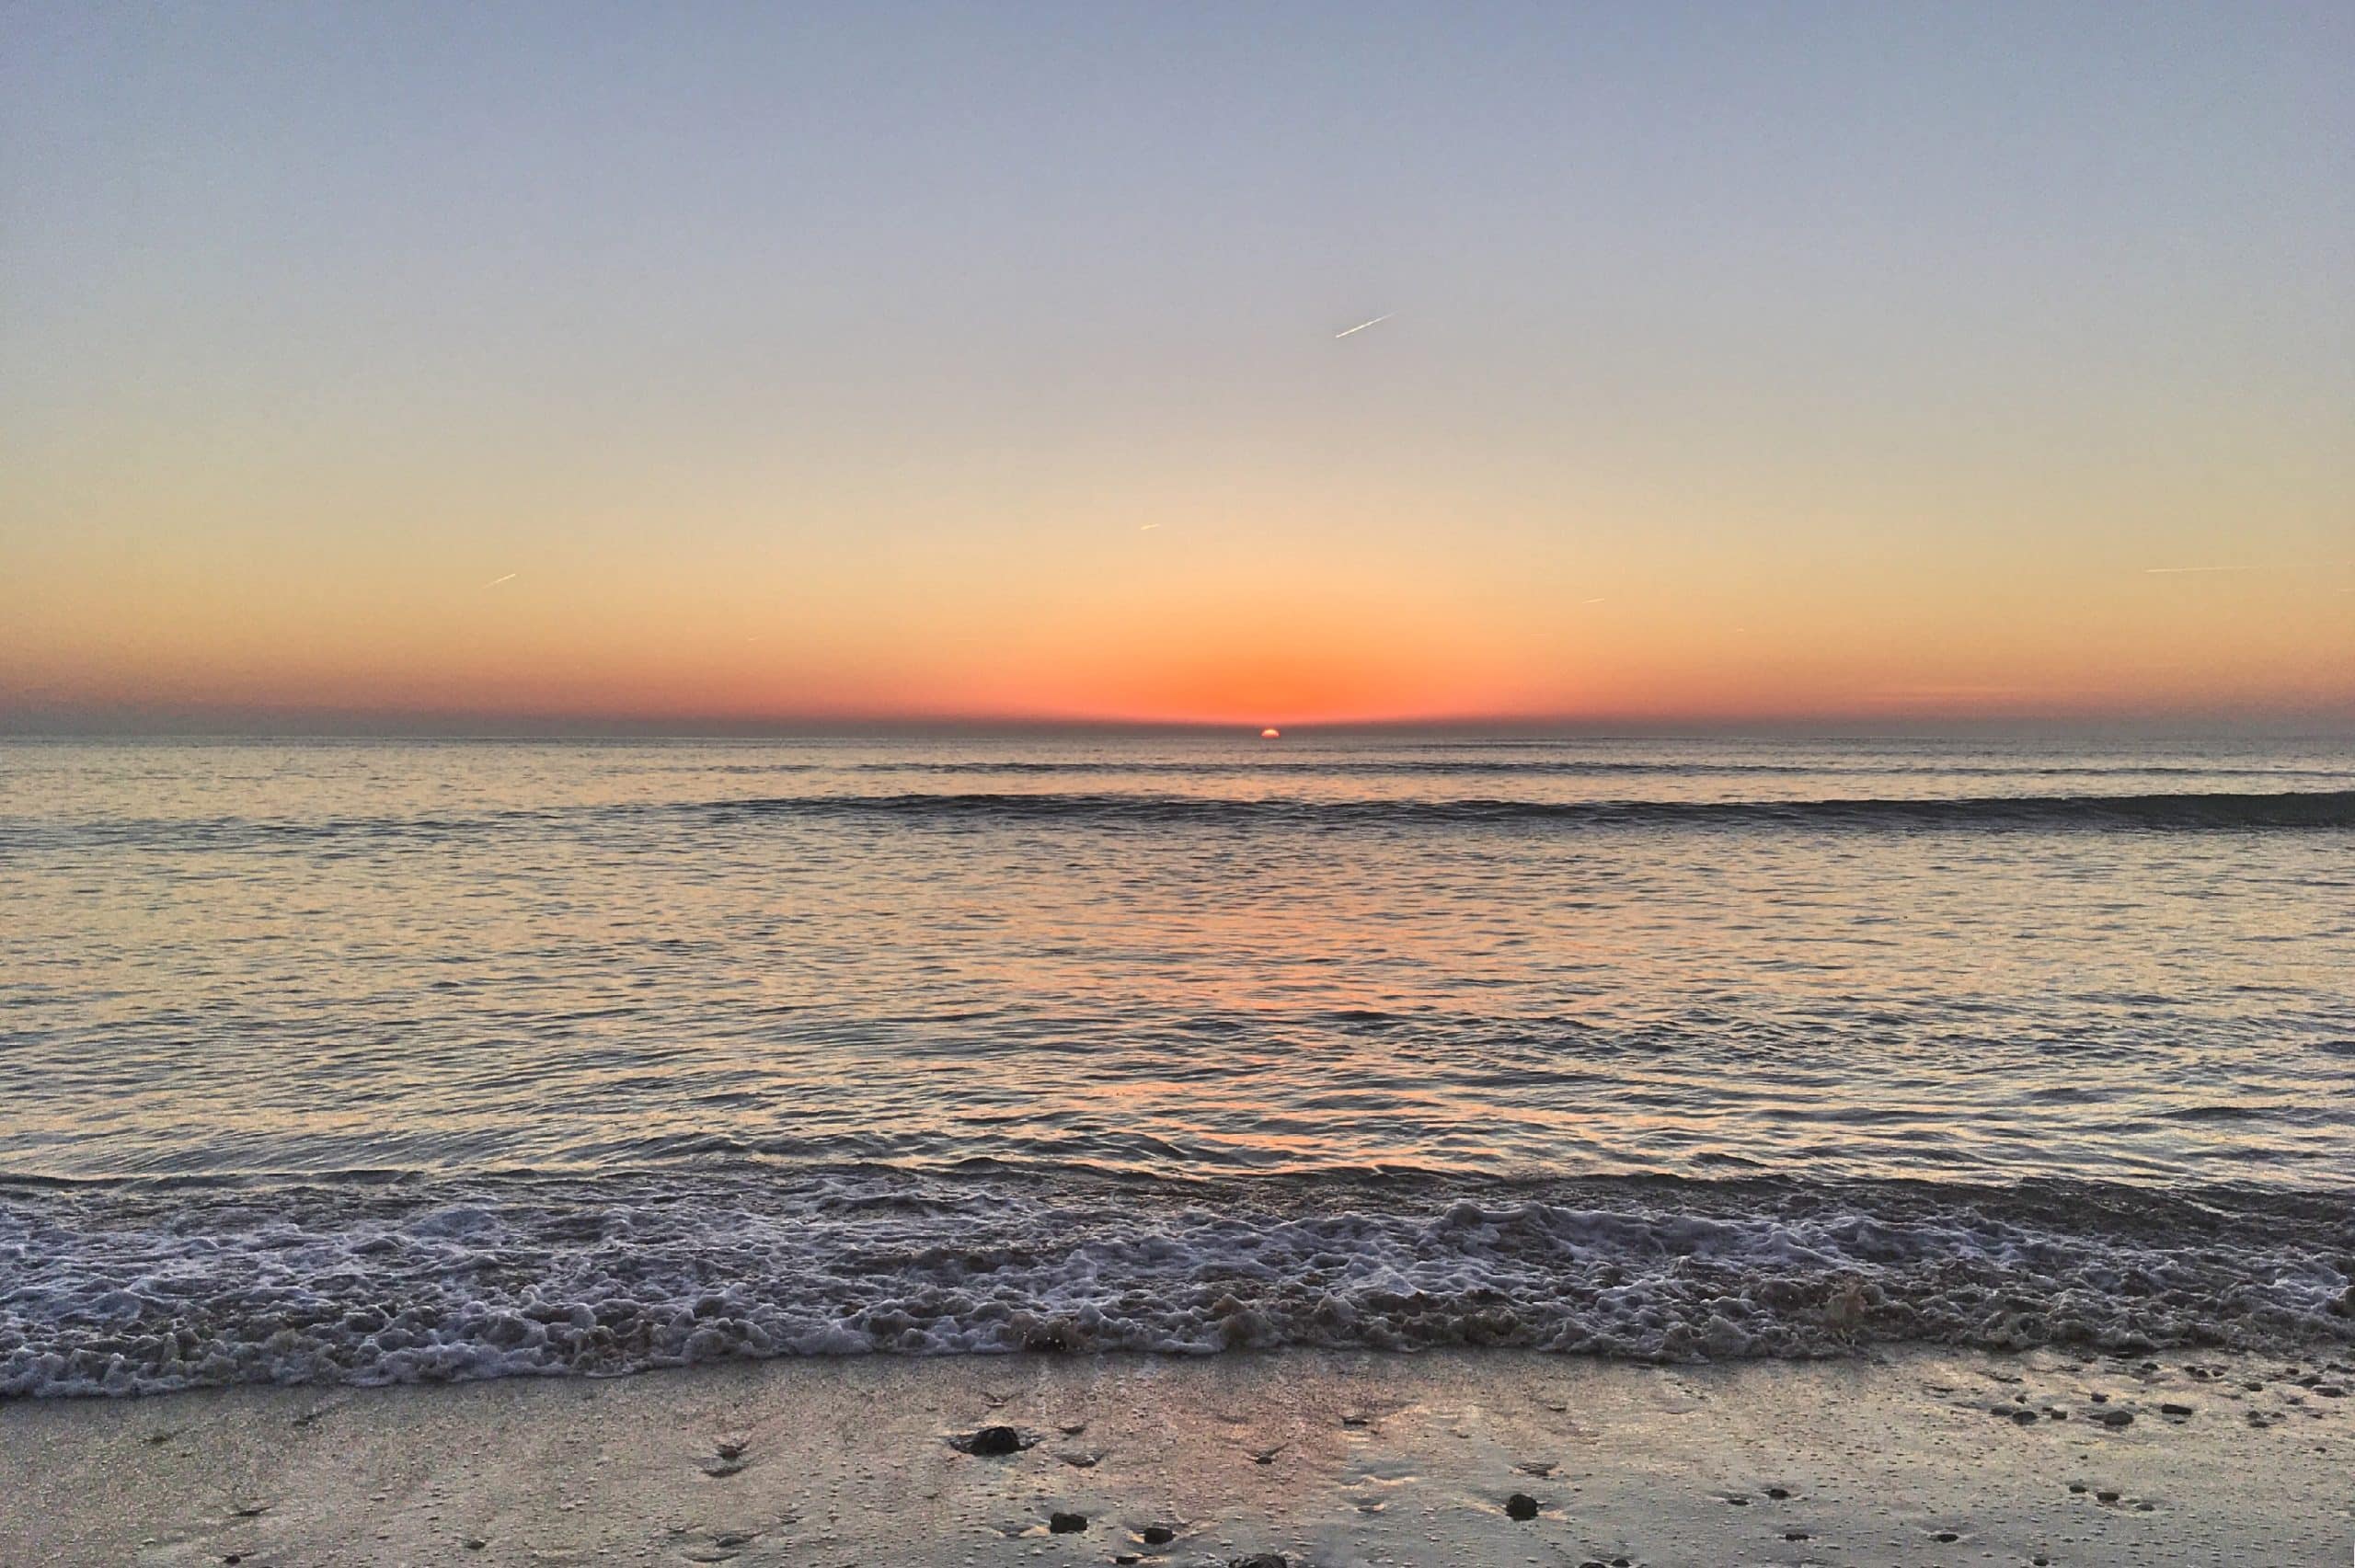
<point x="1196" y="957"/>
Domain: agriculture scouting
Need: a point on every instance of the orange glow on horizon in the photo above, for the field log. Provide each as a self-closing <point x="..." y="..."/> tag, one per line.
<point x="1235" y="633"/>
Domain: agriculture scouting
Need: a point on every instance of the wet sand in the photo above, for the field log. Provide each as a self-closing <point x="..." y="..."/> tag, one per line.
<point x="1906" y="1458"/>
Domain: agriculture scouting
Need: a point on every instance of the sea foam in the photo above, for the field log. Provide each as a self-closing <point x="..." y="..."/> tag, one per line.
<point x="127" y="1290"/>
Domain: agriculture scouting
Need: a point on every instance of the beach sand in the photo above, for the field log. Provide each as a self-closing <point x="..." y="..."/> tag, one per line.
<point x="1914" y="1456"/>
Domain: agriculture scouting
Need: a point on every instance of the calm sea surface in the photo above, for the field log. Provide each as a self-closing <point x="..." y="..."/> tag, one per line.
<point x="411" y="1060"/>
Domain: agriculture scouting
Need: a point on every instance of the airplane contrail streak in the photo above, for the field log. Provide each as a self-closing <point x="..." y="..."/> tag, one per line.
<point x="1362" y="325"/>
<point x="496" y="581"/>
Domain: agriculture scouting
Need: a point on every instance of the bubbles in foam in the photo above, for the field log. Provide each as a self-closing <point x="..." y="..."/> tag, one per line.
<point x="122" y="1290"/>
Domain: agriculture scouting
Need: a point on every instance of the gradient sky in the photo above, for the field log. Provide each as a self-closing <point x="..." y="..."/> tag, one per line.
<point x="1749" y="360"/>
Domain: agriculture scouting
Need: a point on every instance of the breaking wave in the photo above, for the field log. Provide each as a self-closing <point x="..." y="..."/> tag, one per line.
<point x="121" y="1289"/>
<point x="2209" y="810"/>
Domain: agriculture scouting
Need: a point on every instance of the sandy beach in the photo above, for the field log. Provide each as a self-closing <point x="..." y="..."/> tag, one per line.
<point x="1916" y="1457"/>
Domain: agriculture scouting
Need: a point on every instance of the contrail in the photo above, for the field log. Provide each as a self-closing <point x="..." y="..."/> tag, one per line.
<point x="1362" y="325"/>
<point x="1147" y="527"/>
<point x="496" y="581"/>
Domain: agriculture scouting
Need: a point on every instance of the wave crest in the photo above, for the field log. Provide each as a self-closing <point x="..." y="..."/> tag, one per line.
<point x="2307" y="809"/>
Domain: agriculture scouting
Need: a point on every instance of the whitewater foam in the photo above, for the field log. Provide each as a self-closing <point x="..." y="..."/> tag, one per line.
<point x="116" y="1290"/>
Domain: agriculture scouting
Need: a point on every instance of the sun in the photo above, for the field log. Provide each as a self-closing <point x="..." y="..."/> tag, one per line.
<point x="1271" y="733"/>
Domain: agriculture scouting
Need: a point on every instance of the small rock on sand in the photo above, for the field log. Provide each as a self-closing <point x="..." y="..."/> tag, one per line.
<point x="1260" y="1559"/>
<point x="1520" y="1506"/>
<point x="990" y="1442"/>
<point x="1061" y="1523"/>
<point x="2115" y="1418"/>
<point x="1156" y="1535"/>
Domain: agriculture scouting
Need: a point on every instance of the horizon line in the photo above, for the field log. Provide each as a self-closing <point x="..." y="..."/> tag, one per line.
<point x="2321" y="720"/>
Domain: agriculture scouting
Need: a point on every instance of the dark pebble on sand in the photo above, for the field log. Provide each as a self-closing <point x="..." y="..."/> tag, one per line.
<point x="1795" y="1534"/>
<point x="2077" y="1486"/>
<point x="2175" y="1409"/>
<point x="2024" y="1418"/>
<point x="2330" y="1391"/>
<point x="2116" y="1418"/>
<point x="1738" y="1501"/>
<point x="1260" y="1559"/>
<point x="991" y="1442"/>
<point x="1066" y="1524"/>
<point x="1156" y="1535"/>
<point x="1943" y="1536"/>
<point x="1520" y="1506"/>
<point x="2105" y="1496"/>
<point x="1778" y="1493"/>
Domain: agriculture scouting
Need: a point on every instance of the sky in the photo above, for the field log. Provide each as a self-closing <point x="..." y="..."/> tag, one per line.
<point x="803" y="364"/>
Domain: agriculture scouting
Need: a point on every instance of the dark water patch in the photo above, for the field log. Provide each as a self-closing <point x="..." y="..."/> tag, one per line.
<point x="2318" y="809"/>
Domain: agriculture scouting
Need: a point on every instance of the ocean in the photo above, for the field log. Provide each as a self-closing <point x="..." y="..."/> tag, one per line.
<point x="392" y="1061"/>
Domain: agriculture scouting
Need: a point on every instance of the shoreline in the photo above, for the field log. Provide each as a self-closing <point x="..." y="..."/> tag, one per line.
<point x="1899" y="1456"/>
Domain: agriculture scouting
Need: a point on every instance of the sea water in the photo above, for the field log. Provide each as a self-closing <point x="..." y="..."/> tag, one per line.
<point x="396" y="1061"/>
